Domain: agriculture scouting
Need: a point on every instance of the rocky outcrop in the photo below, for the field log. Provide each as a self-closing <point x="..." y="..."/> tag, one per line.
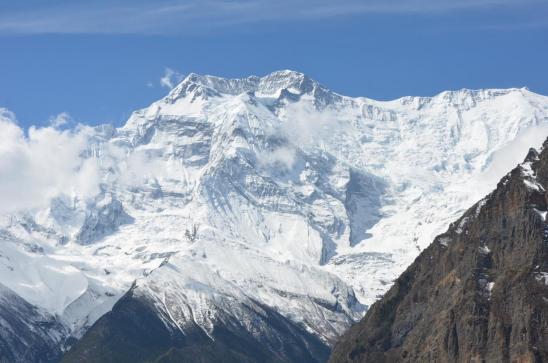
<point x="479" y="293"/>
<point x="102" y="218"/>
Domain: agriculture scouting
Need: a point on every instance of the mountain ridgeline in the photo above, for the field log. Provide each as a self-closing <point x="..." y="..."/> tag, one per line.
<point x="135" y="331"/>
<point x="257" y="219"/>
<point x="478" y="293"/>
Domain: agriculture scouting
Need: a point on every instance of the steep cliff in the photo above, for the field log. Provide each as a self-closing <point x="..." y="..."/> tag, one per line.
<point x="479" y="293"/>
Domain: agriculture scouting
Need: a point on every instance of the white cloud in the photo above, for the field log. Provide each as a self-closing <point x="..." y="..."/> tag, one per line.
<point x="170" y="78"/>
<point x="46" y="163"/>
<point x="60" y="120"/>
<point x="284" y="156"/>
<point x="305" y="125"/>
<point x="184" y="16"/>
<point x="306" y="128"/>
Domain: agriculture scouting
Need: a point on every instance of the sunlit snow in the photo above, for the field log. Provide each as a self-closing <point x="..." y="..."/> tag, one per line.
<point x="268" y="190"/>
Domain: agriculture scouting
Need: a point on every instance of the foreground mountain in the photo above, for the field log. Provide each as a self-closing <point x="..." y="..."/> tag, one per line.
<point x="136" y="330"/>
<point x="479" y="293"/>
<point x="270" y="209"/>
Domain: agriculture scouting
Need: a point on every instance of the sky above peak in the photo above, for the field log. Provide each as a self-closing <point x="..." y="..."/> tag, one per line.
<point x="96" y="61"/>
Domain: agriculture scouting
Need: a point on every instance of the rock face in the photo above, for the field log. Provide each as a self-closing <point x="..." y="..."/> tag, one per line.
<point x="102" y="218"/>
<point x="479" y="293"/>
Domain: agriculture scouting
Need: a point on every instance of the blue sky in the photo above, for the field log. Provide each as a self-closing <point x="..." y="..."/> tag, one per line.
<point x="99" y="60"/>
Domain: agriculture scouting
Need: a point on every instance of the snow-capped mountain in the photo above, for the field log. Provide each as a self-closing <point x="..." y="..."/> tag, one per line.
<point x="230" y="198"/>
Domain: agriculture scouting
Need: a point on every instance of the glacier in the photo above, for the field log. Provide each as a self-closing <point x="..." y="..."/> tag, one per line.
<point x="232" y="194"/>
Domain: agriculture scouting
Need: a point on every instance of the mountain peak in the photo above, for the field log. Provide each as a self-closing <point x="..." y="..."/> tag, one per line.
<point x="273" y="83"/>
<point x="287" y="79"/>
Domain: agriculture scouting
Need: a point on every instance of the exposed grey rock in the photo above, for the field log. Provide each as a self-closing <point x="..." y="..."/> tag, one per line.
<point x="479" y="293"/>
<point x="102" y="219"/>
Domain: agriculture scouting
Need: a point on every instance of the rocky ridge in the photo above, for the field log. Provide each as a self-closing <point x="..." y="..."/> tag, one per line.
<point x="479" y="293"/>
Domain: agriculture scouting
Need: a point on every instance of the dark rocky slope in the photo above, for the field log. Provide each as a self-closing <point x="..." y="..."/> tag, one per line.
<point x="479" y="293"/>
<point x="27" y="334"/>
<point x="134" y="332"/>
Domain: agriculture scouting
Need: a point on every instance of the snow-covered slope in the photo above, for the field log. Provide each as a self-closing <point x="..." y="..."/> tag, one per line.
<point x="273" y="190"/>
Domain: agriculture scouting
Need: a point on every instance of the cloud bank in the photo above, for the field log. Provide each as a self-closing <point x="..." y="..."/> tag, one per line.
<point x="50" y="162"/>
<point x="47" y="162"/>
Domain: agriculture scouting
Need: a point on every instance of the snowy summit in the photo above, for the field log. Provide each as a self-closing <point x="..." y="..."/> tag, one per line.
<point x="230" y="198"/>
